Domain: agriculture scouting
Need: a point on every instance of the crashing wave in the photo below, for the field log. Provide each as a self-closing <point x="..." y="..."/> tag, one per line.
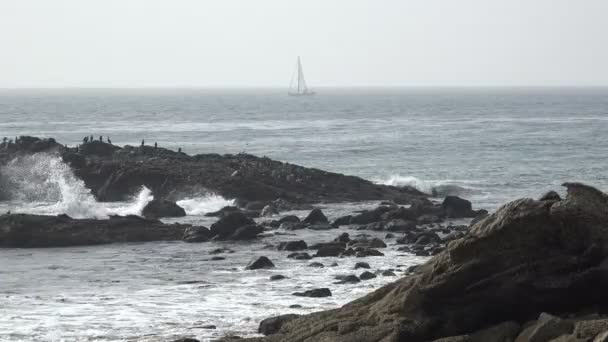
<point x="436" y="188"/>
<point x="204" y="204"/>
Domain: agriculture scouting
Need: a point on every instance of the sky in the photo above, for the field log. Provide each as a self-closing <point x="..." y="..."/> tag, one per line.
<point x="254" y="43"/>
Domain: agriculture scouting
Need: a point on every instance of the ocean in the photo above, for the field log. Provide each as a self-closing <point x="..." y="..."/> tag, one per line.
<point x="489" y="145"/>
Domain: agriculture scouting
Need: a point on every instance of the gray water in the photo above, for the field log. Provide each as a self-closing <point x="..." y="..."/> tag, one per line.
<point x="487" y="145"/>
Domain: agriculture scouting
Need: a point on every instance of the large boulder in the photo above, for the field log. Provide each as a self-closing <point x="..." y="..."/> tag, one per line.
<point x="228" y="224"/>
<point x="260" y="263"/>
<point x="196" y="234"/>
<point x="454" y="206"/>
<point x="273" y="324"/>
<point x="162" y="208"/>
<point x="527" y="258"/>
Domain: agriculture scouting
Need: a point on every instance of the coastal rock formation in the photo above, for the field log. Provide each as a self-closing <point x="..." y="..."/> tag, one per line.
<point x="114" y="173"/>
<point x="527" y="258"/>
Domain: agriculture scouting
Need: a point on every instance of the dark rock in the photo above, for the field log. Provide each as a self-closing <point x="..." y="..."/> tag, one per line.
<point x="196" y="234"/>
<point x="342" y="221"/>
<point x="186" y="339"/>
<point x="218" y="258"/>
<point x="389" y="236"/>
<point x="273" y="324"/>
<point x="316" y="293"/>
<point x="320" y="226"/>
<point x="292" y="225"/>
<point x="367" y="275"/>
<point x="388" y="273"/>
<point x="343" y="238"/>
<point x="289" y="218"/>
<point x="255" y="205"/>
<point x="26" y="231"/>
<point x="362" y="265"/>
<point x="293" y="246"/>
<point x="295" y="306"/>
<point x="229" y="224"/>
<point x="260" y="263"/>
<point x="454" y="206"/>
<point x="316" y="216"/>
<point x="400" y="213"/>
<point x="268" y="211"/>
<point x="366" y="217"/>
<point x="366" y="252"/>
<point x="316" y="264"/>
<point x="223" y="212"/>
<point x="400" y="225"/>
<point x="348" y="279"/>
<point x="551" y="196"/>
<point x="277" y="277"/>
<point x="247" y="232"/>
<point x="428" y="218"/>
<point x="299" y="256"/>
<point x="330" y="250"/>
<point x="221" y="250"/>
<point x="162" y="208"/>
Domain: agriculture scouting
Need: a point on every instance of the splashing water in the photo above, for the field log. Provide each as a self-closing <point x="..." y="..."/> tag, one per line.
<point x="437" y="188"/>
<point x="46" y="185"/>
<point x="204" y="204"/>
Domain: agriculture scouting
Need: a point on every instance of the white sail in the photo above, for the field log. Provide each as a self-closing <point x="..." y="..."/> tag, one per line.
<point x="300" y="83"/>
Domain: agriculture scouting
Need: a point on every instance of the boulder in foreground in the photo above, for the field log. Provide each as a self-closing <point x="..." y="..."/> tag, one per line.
<point x="527" y="258"/>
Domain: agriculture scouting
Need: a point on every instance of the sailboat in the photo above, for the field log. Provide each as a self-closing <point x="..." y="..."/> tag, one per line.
<point x="300" y="88"/>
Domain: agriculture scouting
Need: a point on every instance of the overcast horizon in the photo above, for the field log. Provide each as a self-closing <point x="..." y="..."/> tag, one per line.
<point x="235" y="44"/>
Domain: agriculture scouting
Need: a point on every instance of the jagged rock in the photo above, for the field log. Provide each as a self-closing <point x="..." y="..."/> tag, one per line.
<point x="316" y="293"/>
<point x="316" y="216"/>
<point x="162" y="208"/>
<point x="196" y="234"/>
<point x="260" y="263"/>
<point x="228" y="224"/>
<point x="293" y="246"/>
<point x="367" y="275"/>
<point x="273" y="324"/>
<point x="527" y="257"/>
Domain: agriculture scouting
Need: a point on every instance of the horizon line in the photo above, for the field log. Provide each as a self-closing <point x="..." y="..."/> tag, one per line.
<point x="236" y="87"/>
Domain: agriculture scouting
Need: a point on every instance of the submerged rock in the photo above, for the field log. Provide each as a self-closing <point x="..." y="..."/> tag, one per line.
<point x="316" y="293"/>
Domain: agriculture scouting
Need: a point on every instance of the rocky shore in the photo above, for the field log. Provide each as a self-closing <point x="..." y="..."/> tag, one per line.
<point x="535" y="270"/>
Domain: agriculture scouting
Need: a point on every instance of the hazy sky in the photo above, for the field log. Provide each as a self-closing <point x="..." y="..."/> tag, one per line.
<point x="117" y="43"/>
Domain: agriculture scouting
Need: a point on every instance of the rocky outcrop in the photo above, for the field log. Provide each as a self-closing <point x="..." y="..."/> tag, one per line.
<point x="24" y="231"/>
<point x="162" y="208"/>
<point x="114" y="173"/>
<point x="527" y="258"/>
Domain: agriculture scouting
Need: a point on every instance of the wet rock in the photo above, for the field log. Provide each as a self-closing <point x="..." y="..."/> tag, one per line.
<point x="186" y="339"/>
<point x="260" y="263"/>
<point x="546" y="328"/>
<point x="292" y="225"/>
<point x="454" y="206"/>
<point x="223" y="212"/>
<point x="343" y="238"/>
<point x="316" y="293"/>
<point x="218" y="258"/>
<point x="268" y="211"/>
<point x="273" y="324"/>
<point x="316" y="216"/>
<point x="389" y="236"/>
<point x="342" y="221"/>
<point x="330" y="250"/>
<point x="289" y="218"/>
<point x="295" y="306"/>
<point x="221" y="250"/>
<point x="162" y="208"/>
<point x="362" y="265"/>
<point x="293" y="246"/>
<point x="247" y="232"/>
<point x="428" y="218"/>
<point x="366" y="217"/>
<point x="196" y="234"/>
<point x="316" y="265"/>
<point x="551" y="196"/>
<point x="367" y="275"/>
<point x="367" y="252"/>
<point x="300" y="256"/>
<point x="348" y="279"/>
<point x="229" y="224"/>
<point x="255" y="205"/>
<point x="400" y="225"/>
<point x="276" y="277"/>
<point x="388" y="273"/>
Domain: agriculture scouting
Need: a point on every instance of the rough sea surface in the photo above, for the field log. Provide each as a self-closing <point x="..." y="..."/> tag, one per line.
<point x="488" y="145"/>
